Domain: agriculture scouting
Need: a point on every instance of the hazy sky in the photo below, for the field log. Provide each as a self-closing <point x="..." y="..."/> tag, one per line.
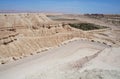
<point x="67" y="6"/>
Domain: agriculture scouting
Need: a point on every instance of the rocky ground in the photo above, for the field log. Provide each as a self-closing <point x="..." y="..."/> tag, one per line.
<point x="45" y="46"/>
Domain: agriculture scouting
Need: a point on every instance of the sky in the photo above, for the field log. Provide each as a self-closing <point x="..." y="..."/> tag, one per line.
<point x="63" y="6"/>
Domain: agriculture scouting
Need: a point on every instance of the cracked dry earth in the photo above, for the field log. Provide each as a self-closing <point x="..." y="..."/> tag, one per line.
<point x="33" y="46"/>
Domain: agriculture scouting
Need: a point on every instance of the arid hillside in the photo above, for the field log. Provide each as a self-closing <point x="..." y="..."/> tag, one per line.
<point x="59" y="46"/>
<point x="26" y="34"/>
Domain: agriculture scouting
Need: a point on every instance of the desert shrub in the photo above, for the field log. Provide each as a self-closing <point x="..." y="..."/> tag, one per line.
<point x="5" y="15"/>
<point x="86" y="26"/>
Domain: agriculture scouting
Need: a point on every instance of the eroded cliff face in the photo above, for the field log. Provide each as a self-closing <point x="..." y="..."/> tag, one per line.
<point x="22" y="35"/>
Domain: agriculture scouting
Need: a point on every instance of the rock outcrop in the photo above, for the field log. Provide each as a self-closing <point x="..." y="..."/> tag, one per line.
<point x="27" y="34"/>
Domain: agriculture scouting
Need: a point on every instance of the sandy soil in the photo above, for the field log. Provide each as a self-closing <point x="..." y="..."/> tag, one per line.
<point x="95" y="55"/>
<point x="63" y="57"/>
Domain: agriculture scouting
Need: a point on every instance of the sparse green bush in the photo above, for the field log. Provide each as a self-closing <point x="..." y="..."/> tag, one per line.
<point x="86" y="26"/>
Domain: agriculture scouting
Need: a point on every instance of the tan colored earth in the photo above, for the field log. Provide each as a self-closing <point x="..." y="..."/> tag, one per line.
<point x="45" y="46"/>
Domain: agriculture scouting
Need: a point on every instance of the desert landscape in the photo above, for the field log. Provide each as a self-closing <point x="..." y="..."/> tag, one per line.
<point x="59" y="46"/>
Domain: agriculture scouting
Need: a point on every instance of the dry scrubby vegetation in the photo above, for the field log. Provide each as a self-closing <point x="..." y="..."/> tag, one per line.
<point x="87" y="26"/>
